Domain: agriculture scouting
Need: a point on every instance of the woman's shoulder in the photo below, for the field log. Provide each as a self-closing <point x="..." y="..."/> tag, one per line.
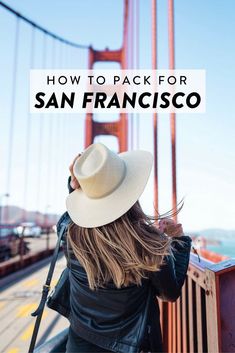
<point x="64" y="220"/>
<point x="183" y="241"/>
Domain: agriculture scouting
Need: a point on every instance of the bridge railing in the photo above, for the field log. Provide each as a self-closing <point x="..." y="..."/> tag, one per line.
<point x="202" y="319"/>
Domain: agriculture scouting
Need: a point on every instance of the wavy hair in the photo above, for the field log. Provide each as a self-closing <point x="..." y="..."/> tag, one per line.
<point x="123" y="251"/>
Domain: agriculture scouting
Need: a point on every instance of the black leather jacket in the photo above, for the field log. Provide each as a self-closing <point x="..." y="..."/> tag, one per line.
<point x="125" y="320"/>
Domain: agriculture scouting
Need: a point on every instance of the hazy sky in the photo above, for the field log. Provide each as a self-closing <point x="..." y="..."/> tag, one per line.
<point x="204" y="32"/>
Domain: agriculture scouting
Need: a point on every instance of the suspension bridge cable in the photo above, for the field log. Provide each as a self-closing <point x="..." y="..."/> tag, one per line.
<point x="125" y="33"/>
<point x="12" y="113"/>
<point x="137" y="33"/>
<point x="43" y="29"/>
<point x="41" y="127"/>
<point x="171" y="44"/>
<point x="137" y="53"/>
<point x="58" y="145"/>
<point x="50" y="143"/>
<point x="155" y="116"/>
<point x="28" y="131"/>
<point x="55" y="141"/>
<point x="132" y="63"/>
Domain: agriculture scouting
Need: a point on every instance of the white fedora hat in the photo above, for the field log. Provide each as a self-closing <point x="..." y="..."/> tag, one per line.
<point x="110" y="184"/>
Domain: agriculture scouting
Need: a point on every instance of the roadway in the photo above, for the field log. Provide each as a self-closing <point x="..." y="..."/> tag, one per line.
<point x="38" y="248"/>
<point x="42" y="242"/>
<point x="19" y="296"/>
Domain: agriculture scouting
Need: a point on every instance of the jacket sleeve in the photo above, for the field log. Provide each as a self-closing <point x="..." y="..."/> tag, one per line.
<point x="169" y="280"/>
<point x="69" y="186"/>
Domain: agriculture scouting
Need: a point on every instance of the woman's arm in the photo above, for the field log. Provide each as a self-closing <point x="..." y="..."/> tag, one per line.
<point x="63" y="224"/>
<point x="65" y="219"/>
<point x="72" y="184"/>
<point x="169" y="280"/>
<point x="69" y="185"/>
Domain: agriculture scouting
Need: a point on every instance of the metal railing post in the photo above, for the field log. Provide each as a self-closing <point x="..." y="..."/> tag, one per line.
<point x="205" y="311"/>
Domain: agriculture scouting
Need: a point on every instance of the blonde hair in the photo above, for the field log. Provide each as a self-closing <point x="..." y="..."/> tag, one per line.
<point x="123" y="251"/>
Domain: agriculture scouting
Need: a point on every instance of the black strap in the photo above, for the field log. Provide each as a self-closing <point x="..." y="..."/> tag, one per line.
<point x="45" y="291"/>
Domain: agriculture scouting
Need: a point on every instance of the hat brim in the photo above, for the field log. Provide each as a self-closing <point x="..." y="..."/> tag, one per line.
<point x="89" y="212"/>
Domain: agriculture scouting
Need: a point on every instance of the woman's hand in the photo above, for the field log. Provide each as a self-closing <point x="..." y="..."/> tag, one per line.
<point x="170" y="227"/>
<point x="74" y="182"/>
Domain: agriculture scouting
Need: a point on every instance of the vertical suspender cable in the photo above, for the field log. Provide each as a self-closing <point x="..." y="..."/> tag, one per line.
<point x="58" y="143"/>
<point x="131" y="46"/>
<point x="54" y="36"/>
<point x="125" y="44"/>
<point x="12" y="114"/>
<point x="124" y="118"/>
<point x="28" y="130"/>
<point x="137" y="53"/>
<point x="128" y="56"/>
<point x="155" y="117"/>
<point x="55" y="125"/>
<point x="66" y="116"/>
<point x="172" y="317"/>
<point x="50" y="145"/>
<point x="40" y="136"/>
<point x="171" y="40"/>
<point x="60" y="137"/>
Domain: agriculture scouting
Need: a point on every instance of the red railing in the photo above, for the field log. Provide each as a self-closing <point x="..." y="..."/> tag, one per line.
<point x="202" y="319"/>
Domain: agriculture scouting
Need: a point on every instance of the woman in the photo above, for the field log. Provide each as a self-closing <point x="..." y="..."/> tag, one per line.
<point x="119" y="260"/>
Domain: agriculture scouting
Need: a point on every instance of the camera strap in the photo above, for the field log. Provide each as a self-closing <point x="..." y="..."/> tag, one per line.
<point x="45" y="290"/>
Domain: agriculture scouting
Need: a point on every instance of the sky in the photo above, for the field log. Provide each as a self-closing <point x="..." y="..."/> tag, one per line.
<point x="204" y="39"/>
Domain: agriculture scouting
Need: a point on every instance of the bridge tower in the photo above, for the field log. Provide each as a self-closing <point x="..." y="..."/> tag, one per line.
<point x="118" y="128"/>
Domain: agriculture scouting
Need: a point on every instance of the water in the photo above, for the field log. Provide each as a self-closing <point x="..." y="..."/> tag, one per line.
<point x="227" y="247"/>
<point x="225" y="237"/>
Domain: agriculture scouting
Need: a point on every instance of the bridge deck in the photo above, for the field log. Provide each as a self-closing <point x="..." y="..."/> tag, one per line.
<point x="17" y="301"/>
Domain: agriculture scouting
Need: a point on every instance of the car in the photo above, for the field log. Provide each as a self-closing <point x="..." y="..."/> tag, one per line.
<point x="10" y="242"/>
<point x="30" y="229"/>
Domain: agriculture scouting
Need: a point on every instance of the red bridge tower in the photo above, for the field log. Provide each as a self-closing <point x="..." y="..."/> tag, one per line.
<point x="116" y="128"/>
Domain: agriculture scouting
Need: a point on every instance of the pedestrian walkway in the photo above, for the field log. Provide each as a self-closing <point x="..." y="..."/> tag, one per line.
<point x="17" y="302"/>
